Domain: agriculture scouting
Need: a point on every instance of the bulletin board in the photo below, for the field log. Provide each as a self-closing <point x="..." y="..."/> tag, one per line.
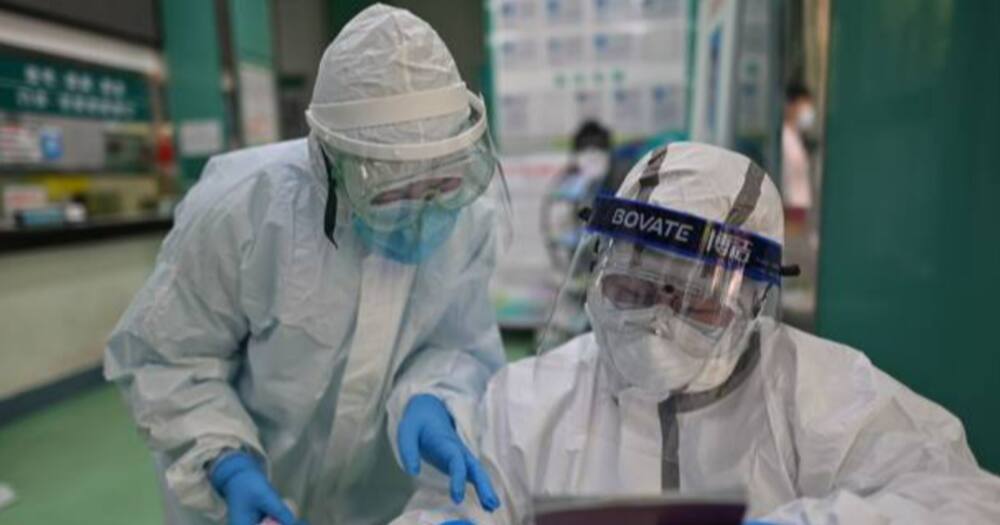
<point x="57" y="114"/>
<point x="556" y="63"/>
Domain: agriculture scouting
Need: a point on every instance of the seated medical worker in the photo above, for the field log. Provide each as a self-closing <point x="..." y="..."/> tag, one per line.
<point x="689" y="383"/>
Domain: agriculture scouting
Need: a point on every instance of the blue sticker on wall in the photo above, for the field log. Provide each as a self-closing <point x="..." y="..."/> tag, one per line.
<point x="51" y="143"/>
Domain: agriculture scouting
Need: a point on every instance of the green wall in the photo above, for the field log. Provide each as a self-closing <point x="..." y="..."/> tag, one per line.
<point x="255" y="99"/>
<point x="194" y="63"/>
<point x="194" y="85"/>
<point x="910" y="249"/>
<point x="251" y="23"/>
<point x="342" y="11"/>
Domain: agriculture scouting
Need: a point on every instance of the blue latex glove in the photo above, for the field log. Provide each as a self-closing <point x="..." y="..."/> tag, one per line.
<point x="458" y="522"/>
<point x="427" y="431"/>
<point x="249" y="496"/>
<point x="755" y="522"/>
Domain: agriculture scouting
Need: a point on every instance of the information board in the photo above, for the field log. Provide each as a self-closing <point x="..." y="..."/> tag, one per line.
<point x="557" y="63"/>
<point x="61" y="115"/>
<point x="30" y="84"/>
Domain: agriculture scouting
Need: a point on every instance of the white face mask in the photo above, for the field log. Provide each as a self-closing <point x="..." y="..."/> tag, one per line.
<point x="593" y="162"/>
<point x="806" y="118"/>
<point x="677" y="355"/>
<point x="644" y="359"/>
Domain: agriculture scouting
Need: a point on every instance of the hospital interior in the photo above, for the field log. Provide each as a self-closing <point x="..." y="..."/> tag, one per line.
<point x="876" y="120"/>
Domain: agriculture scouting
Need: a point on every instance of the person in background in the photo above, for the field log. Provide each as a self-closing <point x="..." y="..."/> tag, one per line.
<point x="591" y="150"/>
<point x="690" y="383"/>
<point x="587" y="173"/>
<point x="801" y="238"/>
<point x="799" y="117"/>
<point x="321" y="304"/>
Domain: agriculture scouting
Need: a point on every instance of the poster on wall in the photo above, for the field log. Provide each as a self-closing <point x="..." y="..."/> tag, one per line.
<point x="200" y="138"/>
<point x="557" y="63"/>
<point x="258" y="104"/>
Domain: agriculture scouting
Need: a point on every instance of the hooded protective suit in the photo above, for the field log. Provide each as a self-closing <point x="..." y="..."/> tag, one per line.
<point x="808" y="429"/>
<point x="268" y="326"/>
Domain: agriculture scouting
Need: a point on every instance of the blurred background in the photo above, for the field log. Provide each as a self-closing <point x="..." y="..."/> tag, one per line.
<point x="877" y="119"/>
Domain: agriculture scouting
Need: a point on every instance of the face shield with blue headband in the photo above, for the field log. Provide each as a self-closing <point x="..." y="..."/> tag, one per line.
<point x="673" y="297"/>
<point x="410" y="164"/>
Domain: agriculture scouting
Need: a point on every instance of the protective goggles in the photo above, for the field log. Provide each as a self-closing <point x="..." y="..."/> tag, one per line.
<point x="391" y="194"/>
<point x="389" y="184"/>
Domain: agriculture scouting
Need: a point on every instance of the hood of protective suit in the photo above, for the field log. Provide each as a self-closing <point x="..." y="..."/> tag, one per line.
<point x="705" y="181"/>
<point x="388" y="101"/>
<point x="384" y="52"/>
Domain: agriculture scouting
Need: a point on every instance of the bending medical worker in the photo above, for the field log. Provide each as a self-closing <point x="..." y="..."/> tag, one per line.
<point x="688" y="382"/>
<point x="322" y="303"/>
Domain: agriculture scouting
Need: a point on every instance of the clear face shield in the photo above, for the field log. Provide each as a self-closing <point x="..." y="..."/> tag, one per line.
<point x="406" y="197"/>
<point x="671" y="298"/>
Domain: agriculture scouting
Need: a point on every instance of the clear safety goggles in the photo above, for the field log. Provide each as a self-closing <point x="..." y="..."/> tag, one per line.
<point x="652" y="271"/>
<point x="391" y="194"/>
<point x="389" y="185"/>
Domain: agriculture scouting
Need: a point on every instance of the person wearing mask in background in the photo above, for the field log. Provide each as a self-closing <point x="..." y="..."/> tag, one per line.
<point x="592" y="151"/>
<point x="689" y="382"/>
<point x="322" y="303"/>
<point x="799" y="118"/>
<point x="801" y="240"/>
<point x="588" y="172"/>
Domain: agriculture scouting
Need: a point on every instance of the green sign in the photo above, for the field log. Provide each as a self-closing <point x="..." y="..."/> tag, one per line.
<point x="54" y="87"/>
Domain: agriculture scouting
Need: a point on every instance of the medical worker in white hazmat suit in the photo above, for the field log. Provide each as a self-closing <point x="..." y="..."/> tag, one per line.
<point x="321" y="304"/>
<point x="689" y="383"/>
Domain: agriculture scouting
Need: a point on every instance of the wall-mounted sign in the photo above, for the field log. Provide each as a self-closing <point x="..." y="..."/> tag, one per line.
<point x="557" y="63"/>
<point x="39" y="85"/>
<point x="258" y="104"/>
<point x="61" y="115"/>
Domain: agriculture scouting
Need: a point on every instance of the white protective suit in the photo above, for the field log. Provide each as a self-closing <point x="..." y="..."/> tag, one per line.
<point x="808" y="429"/>
<point x="255" y="331"/>
<point x="812" y="431"/>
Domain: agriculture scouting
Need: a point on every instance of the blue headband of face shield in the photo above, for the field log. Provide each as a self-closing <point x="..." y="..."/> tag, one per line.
<point x="689" y="236"/>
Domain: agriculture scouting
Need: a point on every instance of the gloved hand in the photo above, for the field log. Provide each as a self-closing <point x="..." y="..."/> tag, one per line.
<point x="250" y="498"/>
<point x="427" y="431"/>
<point x="458" y="522"/>
<point x="755" y="522"/>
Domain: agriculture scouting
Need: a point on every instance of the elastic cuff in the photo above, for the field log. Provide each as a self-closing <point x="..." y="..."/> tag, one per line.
<point x="228" y="465"/>
<point x="223" y="454"/>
